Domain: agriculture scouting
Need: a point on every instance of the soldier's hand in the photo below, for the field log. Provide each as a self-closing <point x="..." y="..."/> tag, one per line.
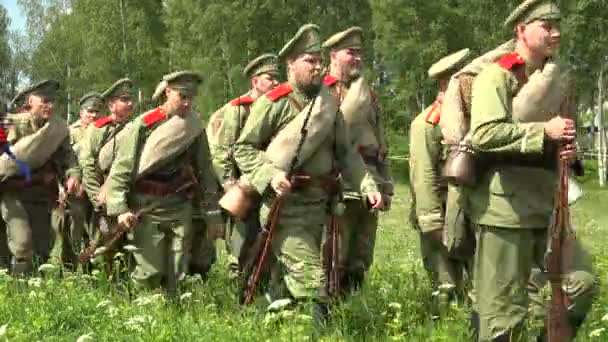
<point x="72" y="185"/>
<point x="560" y="129"/>
<point x="568" y="152"/>
<point x="375" y="199"/>
<point x="280" y="184"/>
<point x="127" y="220"/>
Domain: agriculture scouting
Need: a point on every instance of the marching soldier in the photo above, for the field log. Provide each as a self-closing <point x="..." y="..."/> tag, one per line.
<point x="15" y="105"/>
<point x="80" y="208"/>
<point x="98" y="151"/>
<point x="516" y="143"/>
<point x="162" y="168"/>
<point x="363" y="118"/>
<point x="40" y="139"/>
<point x="429" y="189"/>
<point x="223" y="130"/>
<point x="277" y="163"/>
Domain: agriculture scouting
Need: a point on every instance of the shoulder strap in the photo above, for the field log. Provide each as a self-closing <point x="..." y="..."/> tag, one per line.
<point x="154" y="116"/>
<point x="103" y="121"/>
<point x="279" y="92"/>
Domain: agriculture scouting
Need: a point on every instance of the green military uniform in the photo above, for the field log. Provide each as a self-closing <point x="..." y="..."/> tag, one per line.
<point x="163" y="234"/>
<point x="512" y="202"/>
<point x="429" y="192"/>
<point x="302" y="221"/>
<point x="223" y="130"/>
<point x="367" y="136"/>
<point x="103" y="133"/>
<point x="15" y="105"/>
<point x="26" y="206"/>
<point x="80" y="207"/>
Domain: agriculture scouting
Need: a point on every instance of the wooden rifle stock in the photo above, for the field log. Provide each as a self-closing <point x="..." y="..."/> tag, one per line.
<point x="558" y="325"/>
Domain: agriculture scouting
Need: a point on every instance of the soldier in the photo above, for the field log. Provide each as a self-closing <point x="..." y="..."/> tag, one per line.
<point x="98" y="151"/>
<point x="80" y="208"/>
<point x="268" y="145"/>
<point x="363" y="118"/>
<point x="42" y="140"/>
<point x="511" y="204"/>
<point x="429" y="189"/>
<point x="223" y="130"/>
<point x="163" y="163"/>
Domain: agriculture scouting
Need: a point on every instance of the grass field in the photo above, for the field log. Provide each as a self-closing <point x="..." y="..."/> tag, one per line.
<point x="394" y="305"/>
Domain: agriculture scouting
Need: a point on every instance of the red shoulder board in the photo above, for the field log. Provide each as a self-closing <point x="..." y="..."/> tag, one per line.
<point x="511" y="60"/>
<point x="2" y="135"/>
<point x="330" y="80"/>
<point x="103" y="121"/>
<point x="154" y="116"/>
<point x="243" y="100"/>
<point x="372" y="93"/>
<point x="434" y="114"/>
<point x="279" y="92"/>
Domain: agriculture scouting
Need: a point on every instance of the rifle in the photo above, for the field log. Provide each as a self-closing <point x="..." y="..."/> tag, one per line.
<point x="560" y="234"/>
<point x="268" y="231"/>
<point x="333" y="246"/>
<point x="89" y="252"/>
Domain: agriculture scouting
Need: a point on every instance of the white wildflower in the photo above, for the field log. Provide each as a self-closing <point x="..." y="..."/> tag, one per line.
<point x="136" y="323"/>
<point x="396" y="306"/>
<point x="279" y="304"/>
<point x="85" y="338"/>
<point x="146" y="300"/>
<point x="112" y="312"/>
<point x="119" y="255"/>
<point x="605" y="318"/>
<point x="446" y="287"/>
<point x="103" y="304"/>
<point x="435" y="293"/>
<point x="95" y="273"/>
<point x="185" y="296"/>
<point x="4" y="333"/>
<point x="596" y="332"/>
<point x="47" y="268"/>
<point x="34" y="282"/>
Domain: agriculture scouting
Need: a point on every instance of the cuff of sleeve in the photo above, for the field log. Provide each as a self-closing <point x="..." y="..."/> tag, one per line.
<point x="431" y="222"/>
<point x="115" y="208"/>
<point x="261" y="178"/>
<point x="368" y="184"/>
<point x="534" y="138"/>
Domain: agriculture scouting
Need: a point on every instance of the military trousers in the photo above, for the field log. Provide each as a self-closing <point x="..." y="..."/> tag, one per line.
<point x="163" y="240"/>
<point x="503" y="262"/>
<point x="76" y="229"/>
<point x="204" y="253"/>
<point x="358" y="241"/>
<point x="298" y="270"/>
<point x="5" y="253"/>
<point x="27" y="215"/>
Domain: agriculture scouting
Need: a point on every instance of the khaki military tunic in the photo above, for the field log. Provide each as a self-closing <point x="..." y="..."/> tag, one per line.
<point x="27" y="211"/>
<point x="300" y="230"/>
<point x="164" y="233"/>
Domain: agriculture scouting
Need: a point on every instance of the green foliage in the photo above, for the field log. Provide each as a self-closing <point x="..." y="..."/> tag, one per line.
<point x="104" y="40"/>
<point x="394" y="305"/>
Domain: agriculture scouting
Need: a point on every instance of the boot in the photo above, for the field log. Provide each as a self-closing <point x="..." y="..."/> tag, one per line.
<point x="320" y="315"/>
<point x="22" y="268"/>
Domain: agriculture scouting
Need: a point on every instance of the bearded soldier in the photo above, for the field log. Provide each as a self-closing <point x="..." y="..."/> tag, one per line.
<point x="265" y="152"/>
<point x="80" y="208"/>
<point x="516" y="137"/>
<point x="223" y="130"/>
<point x="162" y="168"/>
<point x="363" y="118"/>
<point x="98" y="151"/>
<point x="429" y="189"/>
<point x="40" y="139"/>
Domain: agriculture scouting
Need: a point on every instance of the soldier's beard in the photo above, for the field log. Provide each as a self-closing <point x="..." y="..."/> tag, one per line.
<point x="309" y="87"/>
